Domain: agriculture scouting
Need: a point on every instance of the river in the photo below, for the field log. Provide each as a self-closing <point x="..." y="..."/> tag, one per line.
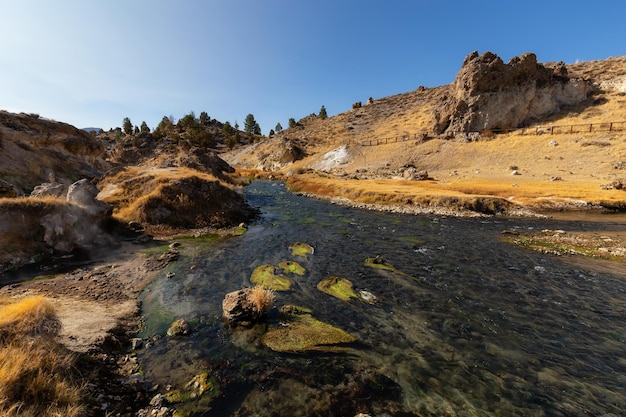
<point x="472" y="326"/>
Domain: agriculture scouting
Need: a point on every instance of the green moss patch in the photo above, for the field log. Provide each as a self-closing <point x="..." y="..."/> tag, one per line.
<point x="301" y="249"/>
<point x="300" y="332"/>
<point x="265" y="276"/>
<point x="292" y="267"/>
<point x="379" y="263"/>
<point x="202" y="389"/>
<point x="337" y="287"/>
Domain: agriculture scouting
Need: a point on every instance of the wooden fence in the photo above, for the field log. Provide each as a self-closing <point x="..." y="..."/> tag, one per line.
<point x="535" y="130"/>
<point x="392" y="139"/>
<point x="558" y="129"/>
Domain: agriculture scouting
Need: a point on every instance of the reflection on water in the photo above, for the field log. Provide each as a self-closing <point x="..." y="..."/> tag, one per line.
<point x="474" y="327"/>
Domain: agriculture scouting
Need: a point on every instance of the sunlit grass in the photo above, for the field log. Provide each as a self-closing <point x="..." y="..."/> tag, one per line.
<point x="37" y="376"/>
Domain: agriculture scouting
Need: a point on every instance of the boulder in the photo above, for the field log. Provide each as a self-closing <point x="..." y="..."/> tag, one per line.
<point x="50" y="189"/>
<point x="247" y="305"/>
<point x="83" y="194"/>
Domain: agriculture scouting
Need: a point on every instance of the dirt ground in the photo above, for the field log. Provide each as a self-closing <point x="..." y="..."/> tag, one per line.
<point x="99" y="299"/>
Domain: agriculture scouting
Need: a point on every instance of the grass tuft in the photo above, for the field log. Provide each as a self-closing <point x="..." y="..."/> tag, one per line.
<point x="38" y="377"/>
<point x="261" y="299"/>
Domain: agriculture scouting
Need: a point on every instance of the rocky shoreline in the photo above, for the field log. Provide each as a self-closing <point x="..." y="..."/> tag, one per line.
<point x="416" y="209"/>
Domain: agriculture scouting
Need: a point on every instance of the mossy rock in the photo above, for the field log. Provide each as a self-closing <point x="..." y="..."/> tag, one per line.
<point x="301" y="249"/>
<point x="265" y="276"/>
<point x="292" y="267"/>
<point x="202" y="389"/>
<point x="379" y="263"/>
<point x="337" y="287"/>
<point x="301" y="332"/>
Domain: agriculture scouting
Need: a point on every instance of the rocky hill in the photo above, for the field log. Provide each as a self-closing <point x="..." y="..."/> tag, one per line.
<point x="37" y="150"/>
<point x="559" y="128"/>
<point x="487" y="94"/>
<point x="65" y="191"/>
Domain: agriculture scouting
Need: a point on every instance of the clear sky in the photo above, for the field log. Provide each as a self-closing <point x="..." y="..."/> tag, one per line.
<point x="91" y="63"/>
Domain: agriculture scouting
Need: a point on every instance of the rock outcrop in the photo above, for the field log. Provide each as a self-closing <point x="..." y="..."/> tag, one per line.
<point x="489" y="94"/>
<point x="35" y="228"/>
<point x="37" y="150"/>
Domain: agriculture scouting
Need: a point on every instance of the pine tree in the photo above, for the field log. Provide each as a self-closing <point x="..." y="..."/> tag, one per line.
<point x="323" y="114"/>
<point x="292" y="122"/>
<point x="249" y="124"/>
<point x="204" y="119"/>
<point x="279" y="127"/>
<point x="127" y="125"/>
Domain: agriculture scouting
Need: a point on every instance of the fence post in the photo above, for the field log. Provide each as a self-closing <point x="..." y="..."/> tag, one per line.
<point x="610" y="126"/>
<point x="590" y="127"/>
<point x="552" y="130"/>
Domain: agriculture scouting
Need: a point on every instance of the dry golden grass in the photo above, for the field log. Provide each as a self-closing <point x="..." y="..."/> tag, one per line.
<point x="261" y="299"/>
<point x="30" y="316"/>
<point x="36" y="374"/>
<point x="129" y="190"/>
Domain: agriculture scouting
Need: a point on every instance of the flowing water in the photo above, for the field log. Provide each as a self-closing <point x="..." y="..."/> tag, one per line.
<point x="471" y="327"/>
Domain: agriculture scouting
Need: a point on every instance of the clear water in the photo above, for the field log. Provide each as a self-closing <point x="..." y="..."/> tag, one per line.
<point x="476" y="327"/>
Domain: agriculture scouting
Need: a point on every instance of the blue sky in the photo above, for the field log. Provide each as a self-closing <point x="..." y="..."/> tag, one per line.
<point x="92" y="63"/>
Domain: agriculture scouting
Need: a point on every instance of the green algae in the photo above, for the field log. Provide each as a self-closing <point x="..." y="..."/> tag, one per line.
<point x="201" y="390"/>
<point x="265" y="276"/>
<point x="299" y="331"/>
<point x="379" y="263"/>
<point x="301" y="249"/>
<point x="337" y="287"/>
<point x="292" y="267"/>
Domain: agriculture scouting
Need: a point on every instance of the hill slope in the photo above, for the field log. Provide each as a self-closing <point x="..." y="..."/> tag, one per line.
<point x="560" y="146"/>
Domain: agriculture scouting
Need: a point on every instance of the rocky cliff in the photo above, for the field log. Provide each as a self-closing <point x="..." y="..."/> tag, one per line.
<point x="489" y="94"/>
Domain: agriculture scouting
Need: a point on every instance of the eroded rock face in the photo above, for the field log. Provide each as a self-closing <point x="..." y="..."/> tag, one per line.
<point x="50" y="189"/>
<point x="489" y="94"/>
<point x="83" y="194"/>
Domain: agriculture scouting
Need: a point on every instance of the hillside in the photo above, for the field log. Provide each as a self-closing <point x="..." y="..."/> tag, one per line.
<point x="557" y="152"/>
<point x="67" y="192"/>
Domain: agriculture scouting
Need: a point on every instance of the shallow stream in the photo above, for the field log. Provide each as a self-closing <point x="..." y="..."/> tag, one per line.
<point x="471" y="327"/>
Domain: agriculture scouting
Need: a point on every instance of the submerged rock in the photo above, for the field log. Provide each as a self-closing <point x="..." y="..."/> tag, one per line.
<point x="337" y="287"/>
<point x="265" y="276"/>
<point x="380" y="263"/>
<point x="301" y="249"/>
<point x="292" y="267"/>
<point x="299" y="331"/>
<point x="202" y="385"/>
<point x="179" y="328"/>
